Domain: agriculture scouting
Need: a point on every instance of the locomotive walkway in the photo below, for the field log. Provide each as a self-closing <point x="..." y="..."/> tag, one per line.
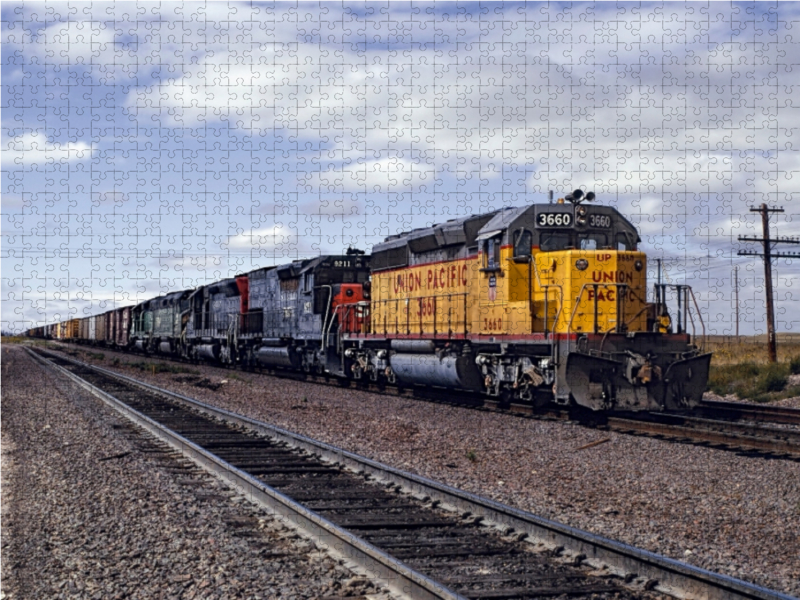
<point x="418" y="537"/>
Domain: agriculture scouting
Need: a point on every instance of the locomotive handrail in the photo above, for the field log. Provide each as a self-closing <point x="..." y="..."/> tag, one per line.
<point x="546" y="289"/>
<point x="347" y="309"/>
<point x="575" y="308"/>
<point x="597" y="285"/>
<point x="546" y="308"/>
<point x="233" y="328"/>
<point x="326" y="327"/>
<point x="420" y="322"/>
<point x="632" y="319"/>
<point x="699" y="316"/>
<point x="683" y="293"/>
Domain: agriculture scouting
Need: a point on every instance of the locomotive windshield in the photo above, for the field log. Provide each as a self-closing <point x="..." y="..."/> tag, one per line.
<point x="551" y="241"/>
<point x="592" y="241"/>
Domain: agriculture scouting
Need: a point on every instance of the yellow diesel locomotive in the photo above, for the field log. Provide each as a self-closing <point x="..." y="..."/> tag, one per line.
<point x="534" y="304"/>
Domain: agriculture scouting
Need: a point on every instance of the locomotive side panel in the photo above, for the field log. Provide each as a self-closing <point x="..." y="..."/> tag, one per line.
<point x="430" y="300"/>
<point x="422" y="281"/>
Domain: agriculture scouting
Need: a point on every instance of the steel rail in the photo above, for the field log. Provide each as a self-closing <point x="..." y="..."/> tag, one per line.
<point x="733" y="435"/>
<point x="763" y="413"/>
<point x="711" y="432"/>
<point x="669" y="576"/>
<point x="401" y="580"/>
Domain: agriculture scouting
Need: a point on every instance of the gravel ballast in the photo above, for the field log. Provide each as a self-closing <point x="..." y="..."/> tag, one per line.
<point x="732" y="514"/>
<point x="93" y="508"/>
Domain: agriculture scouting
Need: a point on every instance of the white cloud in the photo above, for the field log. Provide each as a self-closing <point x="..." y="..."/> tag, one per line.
<point x="383" y="176"/>
<point x="35" y="148"/>
<point x="277" y="240"/>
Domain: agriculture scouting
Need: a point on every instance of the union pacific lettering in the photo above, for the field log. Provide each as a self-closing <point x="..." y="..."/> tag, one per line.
<point x="612" y="277"/>
<point x="436" y="277"/>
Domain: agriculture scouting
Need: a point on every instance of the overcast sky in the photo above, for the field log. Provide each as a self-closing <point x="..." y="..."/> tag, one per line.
<point x="149" y="147"/>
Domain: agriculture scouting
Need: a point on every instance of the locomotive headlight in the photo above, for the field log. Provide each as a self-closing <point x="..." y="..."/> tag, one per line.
<point x="581" y="221"/>
<point x="582" y="211"/>
<point x="638" y="265"/>
<point x="581" y="264"/>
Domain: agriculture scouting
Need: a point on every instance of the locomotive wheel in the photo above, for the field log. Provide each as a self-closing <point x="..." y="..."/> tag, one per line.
<point x="505" y="398"/>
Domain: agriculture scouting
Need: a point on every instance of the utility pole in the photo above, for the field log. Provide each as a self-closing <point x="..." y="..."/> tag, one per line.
<point x="768" y="254"/>
<point x="736" y="298"/>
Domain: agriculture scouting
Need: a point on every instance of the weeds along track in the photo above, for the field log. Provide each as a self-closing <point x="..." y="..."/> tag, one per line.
<point x="767" y="431"/>
<point x="420" y="538"/>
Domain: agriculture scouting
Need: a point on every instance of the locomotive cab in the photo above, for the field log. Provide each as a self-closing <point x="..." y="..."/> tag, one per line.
<point x="559" y="269"/>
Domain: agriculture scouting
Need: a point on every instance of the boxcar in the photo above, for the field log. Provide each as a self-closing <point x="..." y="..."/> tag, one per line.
<point x="101" y="329"/>
<point x="121" y="329"/>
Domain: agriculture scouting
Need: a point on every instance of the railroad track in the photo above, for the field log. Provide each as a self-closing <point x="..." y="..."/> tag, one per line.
<point x="720" y="433"/>
<point x="739" y="411"/>
<point x="711" y="425"/>
<point x="419" y="538"/>
<point x="744" y="438"/>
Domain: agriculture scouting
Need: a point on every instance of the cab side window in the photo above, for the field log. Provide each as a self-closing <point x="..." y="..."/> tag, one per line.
<point x="522" y="243"/>
<point x="622" y="242"/>
<point x="494" y="253"/>
<point x="491" y="253"/>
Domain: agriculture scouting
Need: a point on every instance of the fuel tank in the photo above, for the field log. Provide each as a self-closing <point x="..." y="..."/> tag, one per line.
<point x="428" y="369"/>
<point x="208" y="351"/>
<point x="271" y="356"/>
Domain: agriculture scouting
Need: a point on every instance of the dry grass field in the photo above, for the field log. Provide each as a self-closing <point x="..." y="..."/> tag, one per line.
<point x="751" y="348"/>
<point x="743" y="368"/>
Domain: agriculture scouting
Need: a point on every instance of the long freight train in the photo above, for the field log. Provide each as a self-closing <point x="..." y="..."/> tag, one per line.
<point x="537" y="304"/>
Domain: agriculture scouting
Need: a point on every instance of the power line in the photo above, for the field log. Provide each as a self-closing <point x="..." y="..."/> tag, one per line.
<point x="736" y="299"/>
<point x="768" y="254"/>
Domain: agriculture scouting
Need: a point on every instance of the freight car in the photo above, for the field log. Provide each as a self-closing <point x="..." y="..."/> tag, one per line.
<point x="537" y="304"/>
